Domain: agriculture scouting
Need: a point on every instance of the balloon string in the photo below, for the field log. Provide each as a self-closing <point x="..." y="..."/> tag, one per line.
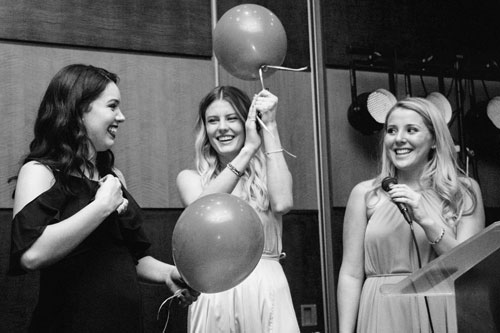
<point x="290" y="154"/>
<point x="264" y="68"/>
<point x="261" y="78"/>
<point x="169" y="301"/>
<point x="264" y="126"/>
<point x="267" y="129"/>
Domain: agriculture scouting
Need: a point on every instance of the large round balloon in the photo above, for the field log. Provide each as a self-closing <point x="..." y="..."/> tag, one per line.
<point x="217" y="242"/>
<point x="249" y="36"/>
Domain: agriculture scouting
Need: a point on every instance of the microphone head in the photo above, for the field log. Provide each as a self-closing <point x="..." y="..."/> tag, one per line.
<point x="387" y="182"/>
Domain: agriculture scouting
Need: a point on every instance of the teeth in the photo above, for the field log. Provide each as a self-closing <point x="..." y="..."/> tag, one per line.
<point x="225" y="138"/>
<point x="112" y="130"/>
<point x="402" y="151"/>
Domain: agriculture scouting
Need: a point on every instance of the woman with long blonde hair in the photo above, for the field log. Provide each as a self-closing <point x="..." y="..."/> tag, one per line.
<point x="383" y="246"/>
<point x="234" y="156"/>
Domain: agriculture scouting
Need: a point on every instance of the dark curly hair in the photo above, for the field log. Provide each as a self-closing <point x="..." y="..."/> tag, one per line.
<point x="61" y="142"/>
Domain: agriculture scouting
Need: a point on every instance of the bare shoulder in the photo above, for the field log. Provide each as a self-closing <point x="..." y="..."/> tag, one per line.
<point x="362" y="188"/>
<point x="33" y="179"/>
<point x="189" y="186"/>
<point x="187" y="175"/>
<point x="36" y="171"/>
<point x="356" y="214"/>
<point x="472" y="183"/>
<point x="473" y="197"/>
<point x="359" y="202"/>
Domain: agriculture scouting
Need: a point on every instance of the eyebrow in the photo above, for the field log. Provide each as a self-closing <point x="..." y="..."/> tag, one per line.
<point x="409" y="124"/>
<point x="226" y="115"/>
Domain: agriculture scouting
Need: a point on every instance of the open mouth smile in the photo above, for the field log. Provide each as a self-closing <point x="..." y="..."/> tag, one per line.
<point x="225" y="138"/>
<point x="402" y="151"/>
<point x="112" y="130"/>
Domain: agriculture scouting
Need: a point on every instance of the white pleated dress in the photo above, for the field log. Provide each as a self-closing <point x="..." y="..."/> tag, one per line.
<point x="261" y="303"/>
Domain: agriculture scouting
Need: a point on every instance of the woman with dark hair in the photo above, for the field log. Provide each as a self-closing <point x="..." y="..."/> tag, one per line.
<point x="383" y="246"/>
<point x="73" y="217"/>
<point x="233" y="156"/>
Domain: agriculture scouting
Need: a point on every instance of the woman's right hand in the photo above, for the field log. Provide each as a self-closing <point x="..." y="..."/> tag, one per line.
<point x="185" y="294"/>
<point x="110" y="195"/>
<point x="252" y="136"/>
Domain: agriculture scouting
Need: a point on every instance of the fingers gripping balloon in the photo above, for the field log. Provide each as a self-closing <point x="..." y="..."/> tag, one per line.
<point x="248" y="37"/>
<point x="217" y="242"/>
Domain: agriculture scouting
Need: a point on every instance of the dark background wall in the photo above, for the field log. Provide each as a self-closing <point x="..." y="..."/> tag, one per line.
<point x="413" y="30"/>
<point x="19" y="293"/>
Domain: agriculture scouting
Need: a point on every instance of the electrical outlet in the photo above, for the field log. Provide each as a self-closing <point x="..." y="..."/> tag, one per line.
<point x="308" y="315"/>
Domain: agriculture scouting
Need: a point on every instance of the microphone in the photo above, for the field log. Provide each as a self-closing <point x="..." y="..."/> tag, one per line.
<point x="386" y="186"/>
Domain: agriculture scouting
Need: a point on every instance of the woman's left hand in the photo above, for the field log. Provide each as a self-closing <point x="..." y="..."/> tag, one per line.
<point x="266" y="104"/>
<point x="404" y="194"/>
<point x="186" y="295"/>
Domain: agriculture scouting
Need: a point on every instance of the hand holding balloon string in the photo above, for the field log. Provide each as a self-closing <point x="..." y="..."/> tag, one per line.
<point x="258" y="117"/>
<point x="267" y="106"/>
<point x="265" y="68"/>
<point x="184" y="297"/>
<point x="169" y="300"/>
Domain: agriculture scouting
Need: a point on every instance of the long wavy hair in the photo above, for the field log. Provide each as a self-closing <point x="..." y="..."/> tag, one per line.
<point x="442" y="173"/>
<point x="208" y="163"/>
<point x="61" y="142"/>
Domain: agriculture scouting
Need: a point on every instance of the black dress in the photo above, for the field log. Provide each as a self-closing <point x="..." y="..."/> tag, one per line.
<point x="95" y="287"/>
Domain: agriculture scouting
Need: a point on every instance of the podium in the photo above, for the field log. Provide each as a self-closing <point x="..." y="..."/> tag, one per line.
<point x="467" y="278"/>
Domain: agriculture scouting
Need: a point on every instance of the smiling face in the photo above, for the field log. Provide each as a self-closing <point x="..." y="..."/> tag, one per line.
<point x="407" y="140"/>
<point x="225" y="129"/>
<point x="103" y="117"/>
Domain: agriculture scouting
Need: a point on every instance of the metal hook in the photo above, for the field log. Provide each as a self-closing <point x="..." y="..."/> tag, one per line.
<point x="265" y="68"/>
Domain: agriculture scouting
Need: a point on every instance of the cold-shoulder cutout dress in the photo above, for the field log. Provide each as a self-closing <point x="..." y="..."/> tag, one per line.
<point x="390" y="256"/>
<point x="95" y="287"/>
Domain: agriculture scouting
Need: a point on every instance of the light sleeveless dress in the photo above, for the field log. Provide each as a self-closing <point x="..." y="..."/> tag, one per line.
<point x="390" y="256"/>
<point x="261" y="303"/>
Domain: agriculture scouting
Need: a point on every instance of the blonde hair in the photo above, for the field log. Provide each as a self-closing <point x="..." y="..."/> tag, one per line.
<point x="442" y="173"/>
<point x="208" y="164"/>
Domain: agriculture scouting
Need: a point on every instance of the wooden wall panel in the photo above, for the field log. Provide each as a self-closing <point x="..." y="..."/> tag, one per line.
<point x="166" y="26"/>
<point x="295" y="125"/>
<point x="159" y="99"/>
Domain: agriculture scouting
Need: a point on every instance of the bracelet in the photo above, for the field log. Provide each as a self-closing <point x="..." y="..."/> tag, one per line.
<point x="234" y="170"/>
<point x="439" y="238"/>
<point x="274" y="151"/>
